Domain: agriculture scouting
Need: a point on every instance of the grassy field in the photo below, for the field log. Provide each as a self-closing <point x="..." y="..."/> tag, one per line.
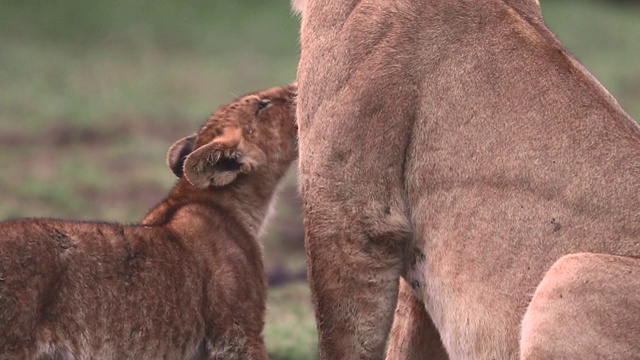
<point x="94" y="93"/>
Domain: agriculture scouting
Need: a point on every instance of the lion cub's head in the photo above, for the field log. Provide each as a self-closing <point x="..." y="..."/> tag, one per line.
<point x="244" y="136"/>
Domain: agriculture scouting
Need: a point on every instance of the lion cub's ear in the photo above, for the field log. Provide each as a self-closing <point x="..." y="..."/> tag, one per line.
<point x="178" y="152"/>
<point x="219" y="162"/>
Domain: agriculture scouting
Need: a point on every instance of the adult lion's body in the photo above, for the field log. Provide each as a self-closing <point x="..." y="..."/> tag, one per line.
<point x="455" y="144"/>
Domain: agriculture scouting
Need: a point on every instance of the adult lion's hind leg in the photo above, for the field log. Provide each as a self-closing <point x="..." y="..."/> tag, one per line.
<point x="586" y="307"/>
<point x="413" y="335"/>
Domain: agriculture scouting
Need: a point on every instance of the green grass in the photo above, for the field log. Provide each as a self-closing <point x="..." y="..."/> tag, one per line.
<point x="290" y="330"/>
<point x="94" y="93"/>
<point x="84" y="63"/>
<point x="606" y="39"/>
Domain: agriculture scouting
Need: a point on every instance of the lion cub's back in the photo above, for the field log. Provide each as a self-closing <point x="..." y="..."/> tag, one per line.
<point x="49" y="269"/>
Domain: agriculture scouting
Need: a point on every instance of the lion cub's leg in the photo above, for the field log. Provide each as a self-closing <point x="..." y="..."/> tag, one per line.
<point x="413" y="335"/>
<point x="586" y="307"/>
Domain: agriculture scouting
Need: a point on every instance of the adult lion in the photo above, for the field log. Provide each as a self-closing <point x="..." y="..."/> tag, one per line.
<point x="456" y="145"/>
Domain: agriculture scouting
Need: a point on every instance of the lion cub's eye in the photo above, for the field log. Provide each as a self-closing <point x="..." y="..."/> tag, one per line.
<point x="263" y="104"/>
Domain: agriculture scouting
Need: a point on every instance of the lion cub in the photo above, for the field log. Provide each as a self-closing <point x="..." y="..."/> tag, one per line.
<point x="186" y="283"/>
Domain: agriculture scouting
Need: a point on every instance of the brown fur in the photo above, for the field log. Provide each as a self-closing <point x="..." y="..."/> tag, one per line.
<point x="458" y="145"/>
<point x="186" y="283"/>
<point x="413" y="334"/>
<point x="585" y="297"/>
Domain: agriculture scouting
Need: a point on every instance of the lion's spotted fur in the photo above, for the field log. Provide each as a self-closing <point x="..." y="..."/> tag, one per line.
<point x="459" y="146"/>
<point x="188" y="282"/>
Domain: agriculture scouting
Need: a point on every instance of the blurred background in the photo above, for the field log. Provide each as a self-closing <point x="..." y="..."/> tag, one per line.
<point x="92" y="94"/>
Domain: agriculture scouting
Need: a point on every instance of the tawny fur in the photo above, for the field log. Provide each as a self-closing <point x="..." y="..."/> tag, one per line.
<point x="458" y="145"/>
<point x="413" y="340"/>
<point x="590" y="299"/>
<point x="187" y="283"/>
